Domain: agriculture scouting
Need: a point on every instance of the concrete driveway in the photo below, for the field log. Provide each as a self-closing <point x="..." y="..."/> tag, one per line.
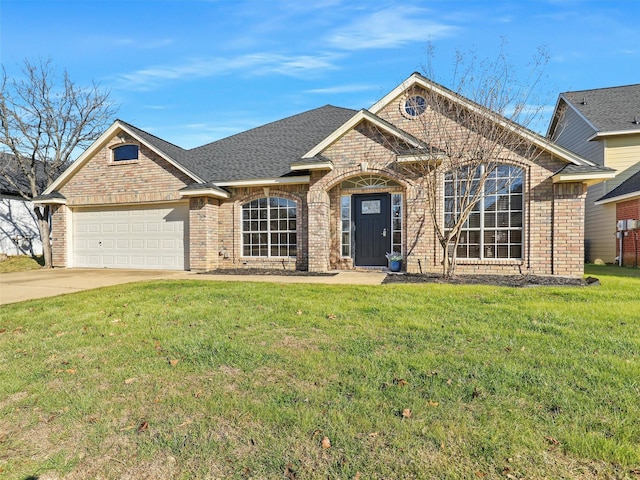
<point x="32" y="284"/>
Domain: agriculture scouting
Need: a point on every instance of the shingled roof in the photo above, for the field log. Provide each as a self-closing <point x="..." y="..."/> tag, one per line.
<point x="266" y="151"/>
<point x="629" y="187"/>
<point x="608" y="109"/>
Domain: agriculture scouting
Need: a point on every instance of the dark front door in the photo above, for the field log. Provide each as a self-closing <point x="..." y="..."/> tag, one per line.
<point x="372" y="218"/>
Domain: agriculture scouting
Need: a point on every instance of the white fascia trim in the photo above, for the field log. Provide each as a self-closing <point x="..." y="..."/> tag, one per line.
<point x="258" y="182"/>
<point x="589" y="178"/>
<point x="100" y="143"/>
<point x="534" y="138"/>
<point x="51" y="201"/>
<point x="612" y="133"/>
<point x="420" y="157"/>
<point x="312" y="166"/>
<point x="351" y="123"/>
<point x="619" y="198"/>
<point x="205" y="192"/>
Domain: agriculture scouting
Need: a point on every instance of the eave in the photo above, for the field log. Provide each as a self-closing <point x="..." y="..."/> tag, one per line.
<point x="613" y="133"/>
<point x="436" y="159"/>
<point x="619" y="198"/>
<point x="586" y="178"/>
<point x="49" y="200"/>
<point x="260" y="182"/>
<point x="303" y="166"/>
<point x="204" y="192"/>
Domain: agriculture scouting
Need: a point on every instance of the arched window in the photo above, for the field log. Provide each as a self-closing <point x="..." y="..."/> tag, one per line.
<point x="494" y="228"/>
<point x="269" y="228"/>
<point x="125" y="152"/>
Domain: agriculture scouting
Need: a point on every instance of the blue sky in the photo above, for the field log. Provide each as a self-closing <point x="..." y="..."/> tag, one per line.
<point x="193" y="71"/>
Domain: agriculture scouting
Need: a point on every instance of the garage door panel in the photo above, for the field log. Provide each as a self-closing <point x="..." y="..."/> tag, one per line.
<point x="131" y="237"/>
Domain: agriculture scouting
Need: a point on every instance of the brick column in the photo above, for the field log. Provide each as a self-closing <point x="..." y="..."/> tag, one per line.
<point x="420" y="253"/>
<point x="568" y="229"/>
<point x="59" y="234"/>
<point x="319" y="230"/>
<point x="203" y="234"/>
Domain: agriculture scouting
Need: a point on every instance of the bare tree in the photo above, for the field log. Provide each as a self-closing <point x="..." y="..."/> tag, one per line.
<point x="44" y="121"/>
<point x="468" y="144"/>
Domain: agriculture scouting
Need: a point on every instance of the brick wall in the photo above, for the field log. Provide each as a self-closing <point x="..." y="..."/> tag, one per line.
<point x="101" y="181"/>
<point x="629" y="210"/>
<point x="568" y="233"/>
<point x="230" y="229"/>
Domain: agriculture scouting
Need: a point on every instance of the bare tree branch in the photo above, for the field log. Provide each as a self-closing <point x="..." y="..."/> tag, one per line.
<point x="44" y="122"/>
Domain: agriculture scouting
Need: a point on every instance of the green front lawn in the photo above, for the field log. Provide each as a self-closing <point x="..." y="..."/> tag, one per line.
<point x="20" y="263"/>
<point x="228" y="380"/>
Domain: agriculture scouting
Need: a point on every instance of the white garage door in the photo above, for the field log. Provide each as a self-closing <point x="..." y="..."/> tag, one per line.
<point x="131" y="237"/>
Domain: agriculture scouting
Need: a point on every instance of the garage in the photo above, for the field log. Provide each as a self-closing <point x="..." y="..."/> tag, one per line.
<point x="132" y="237"/>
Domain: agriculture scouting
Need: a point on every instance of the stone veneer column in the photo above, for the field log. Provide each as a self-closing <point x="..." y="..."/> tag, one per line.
<point x="568" y="229"/>
<point x="319" y="231"/>
<point x="203" y="234"/>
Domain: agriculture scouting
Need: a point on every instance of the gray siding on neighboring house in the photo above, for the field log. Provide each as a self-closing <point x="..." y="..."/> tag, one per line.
<point x="572" y="133"/>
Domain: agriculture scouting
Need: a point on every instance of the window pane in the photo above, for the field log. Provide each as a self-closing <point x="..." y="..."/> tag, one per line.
<point x="516" y="202"/>
<point x="489" y="236"/>
<point x="474" y="236"/>
<point x="516" y="219"/>
<point x="516" y="251"/>
<point x="125" y="152"/>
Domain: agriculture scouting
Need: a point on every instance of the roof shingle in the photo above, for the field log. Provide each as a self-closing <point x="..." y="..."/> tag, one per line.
<point x="610" y="109"/>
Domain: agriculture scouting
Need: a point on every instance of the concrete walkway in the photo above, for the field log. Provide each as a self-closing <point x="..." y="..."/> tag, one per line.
<point x="32" y="284"/>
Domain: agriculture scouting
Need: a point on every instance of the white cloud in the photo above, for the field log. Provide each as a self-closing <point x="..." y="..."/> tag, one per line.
<point x="354" y="87"/>
<point x="389" y="28"/>
<point x="256" y="64"/>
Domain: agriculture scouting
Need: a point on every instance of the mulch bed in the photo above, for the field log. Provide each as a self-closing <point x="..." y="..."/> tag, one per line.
<point x="497" y="280"/>
<point x="522" y="281"/>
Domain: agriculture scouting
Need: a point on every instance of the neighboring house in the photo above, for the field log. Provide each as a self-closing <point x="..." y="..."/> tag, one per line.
<point x="19" y="233"/>
<point x="603" y="125"/>
<point x="320" y="190"/>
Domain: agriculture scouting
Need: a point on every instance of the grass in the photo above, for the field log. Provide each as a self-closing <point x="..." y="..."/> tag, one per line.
<point x="227" y="380"/>
<point x="20" y="263"/>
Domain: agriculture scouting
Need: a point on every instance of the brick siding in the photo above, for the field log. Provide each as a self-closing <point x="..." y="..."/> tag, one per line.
<point x="629" y="210"/>
<point x="553" y="214"/>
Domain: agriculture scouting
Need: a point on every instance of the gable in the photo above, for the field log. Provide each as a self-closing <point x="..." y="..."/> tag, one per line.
<point x="125" y="133"/>
<point x="572" y="131"/>
<point x="101" y="179"/>
<point x="390" y="107"/>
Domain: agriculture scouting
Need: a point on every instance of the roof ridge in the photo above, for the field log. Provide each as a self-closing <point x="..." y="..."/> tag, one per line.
<point x="601" y="88"/>
<point x="150" y="134"/>
<point x="260" y="127"/>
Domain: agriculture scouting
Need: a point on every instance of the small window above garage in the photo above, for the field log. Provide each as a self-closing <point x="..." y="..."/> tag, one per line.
<point x="125" y="152"/>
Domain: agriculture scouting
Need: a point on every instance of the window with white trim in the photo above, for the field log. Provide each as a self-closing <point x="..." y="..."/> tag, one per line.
<point x="494" y="229"/>
<point x="123" y="153"/>
<point x="269" y="228"/>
